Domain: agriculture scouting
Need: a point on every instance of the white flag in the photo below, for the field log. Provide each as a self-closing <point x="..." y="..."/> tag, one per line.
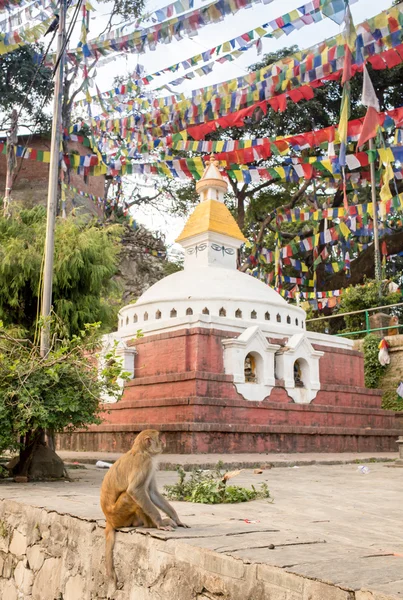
<point x="369" y="97"/>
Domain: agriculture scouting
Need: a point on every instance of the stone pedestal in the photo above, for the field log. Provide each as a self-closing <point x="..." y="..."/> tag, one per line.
<point x="399" y="462"/>
<point x="181" y="388"/>
<point x="378" y="320"/>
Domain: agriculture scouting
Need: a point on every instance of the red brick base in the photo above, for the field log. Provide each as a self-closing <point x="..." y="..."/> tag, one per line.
<point x="180" y="389"/>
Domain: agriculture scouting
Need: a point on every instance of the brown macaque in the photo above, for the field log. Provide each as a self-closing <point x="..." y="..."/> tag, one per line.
<point x="129" y="494"/>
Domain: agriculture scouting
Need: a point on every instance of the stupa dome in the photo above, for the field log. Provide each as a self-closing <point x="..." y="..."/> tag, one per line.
<point x="210" y="291"/>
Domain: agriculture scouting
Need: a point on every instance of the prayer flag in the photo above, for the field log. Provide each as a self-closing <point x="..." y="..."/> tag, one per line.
<point x="372" y="118"/>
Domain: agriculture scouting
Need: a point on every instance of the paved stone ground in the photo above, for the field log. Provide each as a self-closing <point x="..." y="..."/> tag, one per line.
<point x="168" y="462"/>
<point x="330" y="523"/>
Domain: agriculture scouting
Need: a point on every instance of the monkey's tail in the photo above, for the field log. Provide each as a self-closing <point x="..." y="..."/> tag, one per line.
<point x="109" y="544"/>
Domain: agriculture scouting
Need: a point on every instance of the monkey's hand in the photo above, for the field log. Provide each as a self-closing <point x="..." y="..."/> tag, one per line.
<point x="180" y="524"/>
<point x="163" y="527"/>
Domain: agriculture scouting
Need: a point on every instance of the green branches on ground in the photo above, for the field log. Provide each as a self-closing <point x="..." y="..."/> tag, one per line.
<point x="56" y="392"/>
<point x="210" y="487"/>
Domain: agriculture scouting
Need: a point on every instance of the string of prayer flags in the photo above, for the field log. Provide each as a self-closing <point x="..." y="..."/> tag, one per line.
<point x="175" y="28"/>
<point x="279" y="82"/>
<point x="29" y="34"/>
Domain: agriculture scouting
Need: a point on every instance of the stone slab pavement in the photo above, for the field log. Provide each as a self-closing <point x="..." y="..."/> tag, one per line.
<point x="168" y="462"/>
<point x="329" y="523"/>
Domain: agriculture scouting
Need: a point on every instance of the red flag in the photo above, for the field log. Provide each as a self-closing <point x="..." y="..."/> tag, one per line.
<point x="372" y="118"/>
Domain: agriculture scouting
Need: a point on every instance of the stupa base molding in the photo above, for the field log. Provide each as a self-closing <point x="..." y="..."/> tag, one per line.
<point x="201" y="425"/>
<point x="212" y="438"/>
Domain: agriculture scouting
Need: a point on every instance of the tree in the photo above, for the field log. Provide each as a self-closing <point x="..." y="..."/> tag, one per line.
<point x="16" y="75"/>
<point x="57" y="392"/>
<point x="86" y="259"/>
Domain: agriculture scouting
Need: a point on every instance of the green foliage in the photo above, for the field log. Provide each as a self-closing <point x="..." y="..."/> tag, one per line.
<point x="369" y="295"/>
<point x="127" y="9"/>
<point x="86" y="258"/>
<point x="211" y="488"/>
<point x="372" y="368"/>
<point x="391" y="401"/>
<point x="173" y="266"/>
<point x="56" y="392"/>
<point x="16" y="70"/>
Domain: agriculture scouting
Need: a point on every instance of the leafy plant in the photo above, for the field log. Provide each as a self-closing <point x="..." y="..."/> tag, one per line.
<point x="56" y="392"/>
<point x="391" y="401"/>
<point x="86" y="259"/>
<point x="373" y="370"/>
<point x="369" y="295"/>
<point x="210" y="487"/>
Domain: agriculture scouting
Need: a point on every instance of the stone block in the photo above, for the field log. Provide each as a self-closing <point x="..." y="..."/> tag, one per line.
<point x="75" y="589"/>
<point x="137" y="592"/>
<point x="365" y="595"/>
<point x="223" y="565"/>
<point x="294" y="596"/>
<point x="8" y="566"/>
<point x="280" y="578"/>
<point x="194" y="556"/>
<point x="47" y="581"/>
<point x="8" y="590"/>
<point x="35" y="557"/>
<point x="24" y="578"/>
<point x="18" y="545"/>
<point x="316" y="590"/>
<point x="273" y="592"/>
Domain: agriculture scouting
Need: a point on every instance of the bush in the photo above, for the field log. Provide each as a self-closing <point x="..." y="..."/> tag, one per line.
<point x="372" y="368"/>
<point x="56" y="392"/>
<point x="210" y="487"/>
<point x="369" y="295"/>
<point x="391" y="401"/>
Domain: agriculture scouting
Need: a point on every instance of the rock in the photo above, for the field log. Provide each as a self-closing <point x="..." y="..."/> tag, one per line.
<point x="258" y="471"/>
<point x="21" y="479"/>
<point x="24" y="578"/>
<point x="75" y="588"/>
<point x="8" y="590"/>
<point x="138" y="268"/>
<point x="35" y="557"/>
<point x="47" y="581"/>
<point x="18" y="545"/>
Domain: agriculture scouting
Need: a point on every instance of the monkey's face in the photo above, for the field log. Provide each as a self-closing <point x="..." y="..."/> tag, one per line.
<point x="156" y="444"/>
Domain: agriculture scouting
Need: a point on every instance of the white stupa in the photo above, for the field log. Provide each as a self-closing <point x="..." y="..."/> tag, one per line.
<point x="210" y="291"/>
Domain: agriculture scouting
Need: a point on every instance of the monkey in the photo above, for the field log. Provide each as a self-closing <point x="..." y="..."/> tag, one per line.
<point x="129" y="495"/>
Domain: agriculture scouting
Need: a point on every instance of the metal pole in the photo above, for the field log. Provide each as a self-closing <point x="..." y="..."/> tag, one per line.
<point x="377" y="255"/>
<point x="53" y="183"/>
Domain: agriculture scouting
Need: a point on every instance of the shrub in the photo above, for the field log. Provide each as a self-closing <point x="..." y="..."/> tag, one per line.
<point x="210" y="487"/>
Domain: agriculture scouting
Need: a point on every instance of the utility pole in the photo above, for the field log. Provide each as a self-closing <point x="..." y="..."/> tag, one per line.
<point x="53" y="182"/>
<point x="377" y="255"/>
<point x="11" y="161"/>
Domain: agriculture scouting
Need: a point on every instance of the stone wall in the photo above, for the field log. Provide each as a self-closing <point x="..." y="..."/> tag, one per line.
<point x="138" y="268"/>
<point x="394" y="372"/>
<point x="47" y="556"/>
